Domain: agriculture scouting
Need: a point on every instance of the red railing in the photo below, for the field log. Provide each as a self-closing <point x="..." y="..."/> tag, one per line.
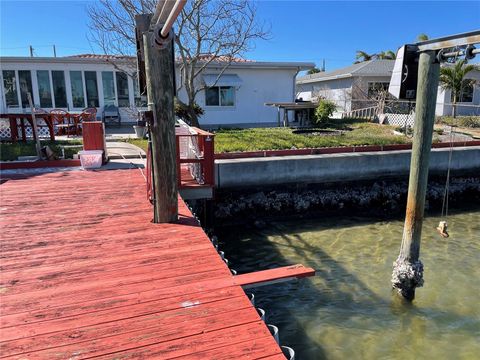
<point x="195" y="157"/>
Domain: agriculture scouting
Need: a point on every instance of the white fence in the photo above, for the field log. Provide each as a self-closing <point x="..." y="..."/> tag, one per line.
<point x="5" y="132"/>
<point x="398" y="119"/>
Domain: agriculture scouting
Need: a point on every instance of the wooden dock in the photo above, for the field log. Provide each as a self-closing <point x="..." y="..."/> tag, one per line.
<point x="85" y="274"/>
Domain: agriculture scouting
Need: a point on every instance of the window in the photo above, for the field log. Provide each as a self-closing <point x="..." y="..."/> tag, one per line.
<point x="25" y="78"/>
<point x="10" y="87"/>
<point x="466" y="93"/>
<point x="44" y="89"/>
<point x="220" y="96"/>
<point x="374" y="88"/>
<point x="122" y="89"/>
<point x="92" y="88"/>
<point x="77" y="89"/>
<point x="227" y="96"/>
<point x="59" y="90"/>
<point x="108" y="88"/>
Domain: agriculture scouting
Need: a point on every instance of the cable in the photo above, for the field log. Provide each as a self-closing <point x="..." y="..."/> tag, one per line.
<point x="131" y="163"/>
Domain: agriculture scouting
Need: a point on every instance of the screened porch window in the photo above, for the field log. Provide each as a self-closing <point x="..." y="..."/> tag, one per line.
<point x="25" y="78"/>
<point x="122" y="89"/>
<point x="92" y="88"/>
<point x="77" y="89"/>
<point x="10" y="88"/>
<point x="59" y="89"/>
<point x="220" y="96"/>
<point x="44" y="89"/>
<point x="108" y="88"/>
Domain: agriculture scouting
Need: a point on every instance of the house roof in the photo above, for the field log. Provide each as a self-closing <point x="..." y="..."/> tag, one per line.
<point x="367" y="68"/>
<point x="101" y="57"/>
<point x="219" y="62"/>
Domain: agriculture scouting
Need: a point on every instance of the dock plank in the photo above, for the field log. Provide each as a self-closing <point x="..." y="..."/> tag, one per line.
<point x="84" y="273"/>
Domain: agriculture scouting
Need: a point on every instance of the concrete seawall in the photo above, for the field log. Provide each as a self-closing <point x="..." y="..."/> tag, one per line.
<point x="336" y="167"/>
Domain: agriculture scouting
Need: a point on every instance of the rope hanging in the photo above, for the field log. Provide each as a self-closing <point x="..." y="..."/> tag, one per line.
<point x="443" y="225"/>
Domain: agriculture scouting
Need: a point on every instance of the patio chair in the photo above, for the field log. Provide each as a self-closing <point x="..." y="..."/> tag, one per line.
<point x="90" y="114"/>
<point x="61" y="121"/>
<point x="111" y="114"/>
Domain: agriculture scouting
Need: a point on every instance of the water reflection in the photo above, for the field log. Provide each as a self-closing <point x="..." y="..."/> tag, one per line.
<point x="348" y="310"/>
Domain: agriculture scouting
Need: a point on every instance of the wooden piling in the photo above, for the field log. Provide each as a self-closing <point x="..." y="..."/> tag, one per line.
<point x="159" y="68"/>
<point x="408" y="269"/>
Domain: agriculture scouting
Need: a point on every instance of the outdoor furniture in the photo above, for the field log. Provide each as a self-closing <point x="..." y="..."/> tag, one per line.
<point x="87" y="114"/>
<point x="90" y="114"/>
<point x="61" y="120"/>
<point x="111" y="114"/>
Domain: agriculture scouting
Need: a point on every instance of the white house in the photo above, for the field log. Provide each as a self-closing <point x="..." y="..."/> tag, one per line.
<point x="355" y="86"/>
<point x="233" y="98"/>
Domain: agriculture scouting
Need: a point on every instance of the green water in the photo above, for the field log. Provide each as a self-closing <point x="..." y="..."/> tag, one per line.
<point x="348" y="310"/>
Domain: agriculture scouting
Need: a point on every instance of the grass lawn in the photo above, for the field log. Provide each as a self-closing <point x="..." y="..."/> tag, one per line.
<point x="358" y="133"/>
<point x="11" y="151"/>
<point x="284" y="138"/>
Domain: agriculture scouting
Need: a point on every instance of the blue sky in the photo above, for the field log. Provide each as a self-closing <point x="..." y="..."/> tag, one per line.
<point x="300" y="30"/>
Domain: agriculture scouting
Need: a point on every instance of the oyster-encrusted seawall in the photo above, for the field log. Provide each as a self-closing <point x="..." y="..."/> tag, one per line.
<point x="374" y="198"/>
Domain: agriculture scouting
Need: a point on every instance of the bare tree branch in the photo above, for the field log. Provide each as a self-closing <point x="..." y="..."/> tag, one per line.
<point x="207" y="31"/>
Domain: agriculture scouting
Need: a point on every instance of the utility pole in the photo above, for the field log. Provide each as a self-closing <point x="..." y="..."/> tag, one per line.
<point x="54" y="51"/>
<point x="31" y="51"/>
<point x="408" y="269"/>
<point x="159" y="67"/>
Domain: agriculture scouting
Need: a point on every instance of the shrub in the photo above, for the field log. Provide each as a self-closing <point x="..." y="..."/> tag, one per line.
<point x="181" y="110"/>
<point x="462" y="121"/>
<point x="324" y="110"/>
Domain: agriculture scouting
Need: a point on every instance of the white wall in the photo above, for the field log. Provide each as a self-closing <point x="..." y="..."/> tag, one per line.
<point x="337" y="90"/>
<point x="258" y="87"/>
<point x="444" y="106"/>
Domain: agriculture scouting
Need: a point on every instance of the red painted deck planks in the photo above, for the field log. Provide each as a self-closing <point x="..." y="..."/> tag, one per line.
<point x="85" y="273"/>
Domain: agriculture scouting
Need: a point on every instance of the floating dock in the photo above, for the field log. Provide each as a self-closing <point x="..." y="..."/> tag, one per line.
<point x="84" y="273"/>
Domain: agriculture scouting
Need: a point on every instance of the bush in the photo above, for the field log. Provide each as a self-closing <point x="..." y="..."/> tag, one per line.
<point x="181" y="110"/>
<point x="324" y="110"/>
<point x="462" y="121"/>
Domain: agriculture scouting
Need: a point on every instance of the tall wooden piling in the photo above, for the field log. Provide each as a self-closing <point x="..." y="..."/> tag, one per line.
<point x="408" y="269"/>
<point x="159" y="68"/>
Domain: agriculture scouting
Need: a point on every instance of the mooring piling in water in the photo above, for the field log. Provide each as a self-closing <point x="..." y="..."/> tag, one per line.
<point x="408" y="269"/>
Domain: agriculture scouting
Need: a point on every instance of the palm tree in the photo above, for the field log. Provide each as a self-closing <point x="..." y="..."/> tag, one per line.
<point x="453" y="78"/>
<point x="313" y="71"/>
<point x="422" y="37"/>
<point x="362" y="56"/>
<point x="387" y="55"/>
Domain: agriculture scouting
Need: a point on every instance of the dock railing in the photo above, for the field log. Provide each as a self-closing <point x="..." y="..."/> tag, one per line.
<point x="195" y="157"/>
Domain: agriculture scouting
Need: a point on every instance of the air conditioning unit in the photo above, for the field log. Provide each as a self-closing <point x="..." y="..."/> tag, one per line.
<point x="403" y="84"/>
